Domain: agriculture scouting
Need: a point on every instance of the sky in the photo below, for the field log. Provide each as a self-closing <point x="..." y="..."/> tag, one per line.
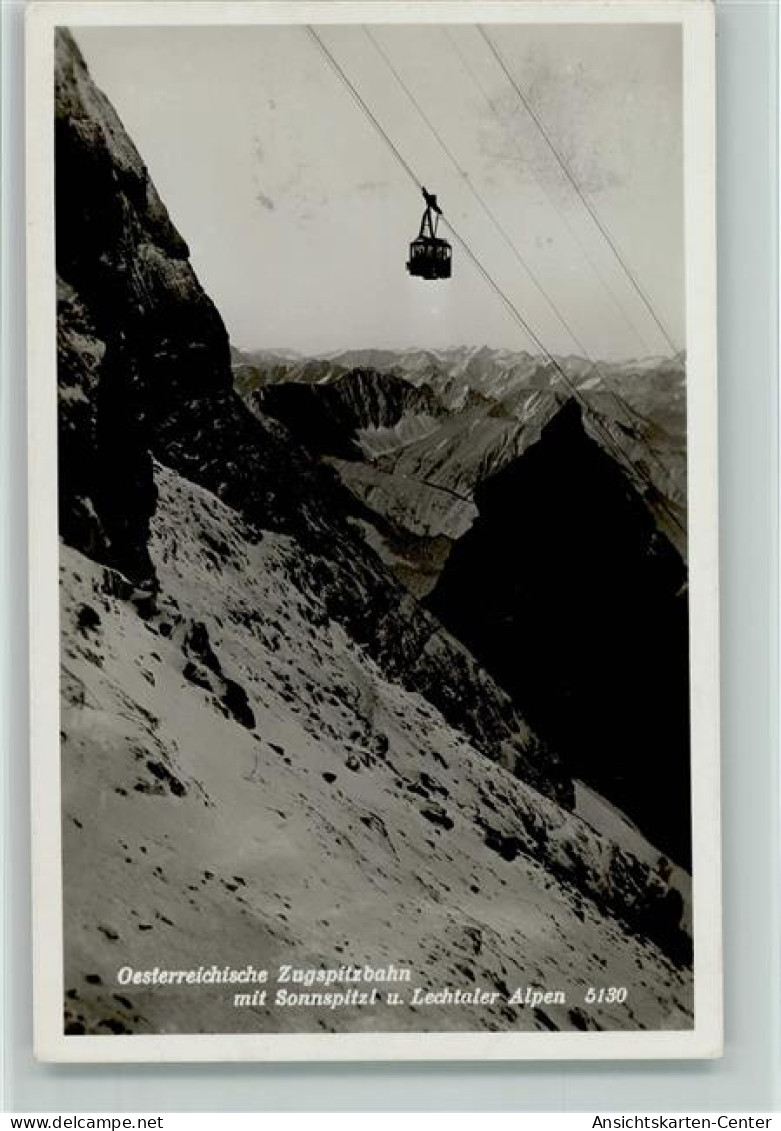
<point x="299" y="215"/>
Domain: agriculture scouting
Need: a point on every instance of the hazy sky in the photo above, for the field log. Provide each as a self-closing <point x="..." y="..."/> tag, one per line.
<point x="299" y="217"/>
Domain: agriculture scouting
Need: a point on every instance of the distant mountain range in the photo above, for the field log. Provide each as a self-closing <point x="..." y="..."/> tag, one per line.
<point x="451" y="418"/>
<point x="452" y="372"/>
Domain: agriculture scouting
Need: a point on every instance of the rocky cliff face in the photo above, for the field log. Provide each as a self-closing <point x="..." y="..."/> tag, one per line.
<point x="136" y="331"/>
<point x="328" y="419"/>
<point x="145" y="371"/>
<point x="567" y="593"/>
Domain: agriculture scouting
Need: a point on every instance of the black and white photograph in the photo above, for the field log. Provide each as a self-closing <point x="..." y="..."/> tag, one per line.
<point x="376" y="398"/>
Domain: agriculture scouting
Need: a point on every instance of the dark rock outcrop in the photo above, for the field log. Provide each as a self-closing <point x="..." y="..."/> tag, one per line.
<point x="135" y="328"/>
<point x="327" y="418"/>
<point x="566" y="592"/>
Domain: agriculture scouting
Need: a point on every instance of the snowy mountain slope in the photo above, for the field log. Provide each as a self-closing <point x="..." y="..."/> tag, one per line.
<point x="471" y="445"/>
<point x="266" y="824"/>
<point x="611" y="823"/>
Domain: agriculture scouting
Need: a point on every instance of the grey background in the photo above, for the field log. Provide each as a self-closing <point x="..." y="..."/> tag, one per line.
<point x="749" y="1076"/>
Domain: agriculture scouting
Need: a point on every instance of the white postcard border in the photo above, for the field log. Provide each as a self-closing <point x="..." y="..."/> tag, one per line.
<point x="705" y="1039"/>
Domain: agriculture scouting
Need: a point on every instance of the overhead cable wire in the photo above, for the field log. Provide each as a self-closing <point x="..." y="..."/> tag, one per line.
<point x="497" y="224"/>
<point x="475" y="193"/>
<point x="632" y="466"/>
<point x="595" y="367"/>
<point x="634" y="329"/>
<point x="610" y="440"/>
<point x="356" y="96"/>
<point x="563" y="165"/>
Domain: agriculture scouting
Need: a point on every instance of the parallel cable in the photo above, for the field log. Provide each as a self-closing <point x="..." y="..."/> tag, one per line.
<point x="591" y="413"/>
<point x="492" y="217"/>
<point x="375" y="122"/>
<point x="477" y="196"/>
<point x="612" y="392"/>
<point x="561" y="215"/>
<point x="615" y="447"/>
<point x="581" y="195"/>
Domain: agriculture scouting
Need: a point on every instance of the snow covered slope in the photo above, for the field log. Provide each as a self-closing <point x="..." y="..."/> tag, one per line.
<point x="242" y="785"/>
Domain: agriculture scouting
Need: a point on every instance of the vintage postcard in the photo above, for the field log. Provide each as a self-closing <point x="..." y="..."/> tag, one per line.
<point x="373" y="507"/>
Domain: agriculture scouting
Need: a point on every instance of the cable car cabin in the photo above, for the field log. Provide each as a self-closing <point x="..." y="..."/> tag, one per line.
<point x="429" y="256"/>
